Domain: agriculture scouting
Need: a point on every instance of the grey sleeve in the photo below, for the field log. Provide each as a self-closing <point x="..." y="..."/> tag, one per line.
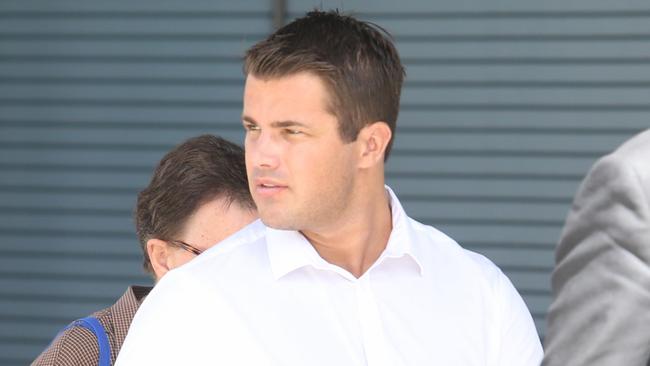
<point x="600" y="314"/>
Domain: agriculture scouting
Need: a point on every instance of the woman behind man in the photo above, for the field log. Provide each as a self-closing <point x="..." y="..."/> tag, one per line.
<point x="198" y="196"/>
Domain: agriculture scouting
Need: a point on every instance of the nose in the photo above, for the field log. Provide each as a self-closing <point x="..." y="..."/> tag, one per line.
<point x="262" y="151"/>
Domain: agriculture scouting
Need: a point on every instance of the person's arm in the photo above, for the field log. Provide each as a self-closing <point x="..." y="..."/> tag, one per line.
<point x="513" y="338"/>
<point x="519" y="342"/>
<point x="186" y="320"/>
<point x="600" y="314"/>
<point x="170" y="327"/>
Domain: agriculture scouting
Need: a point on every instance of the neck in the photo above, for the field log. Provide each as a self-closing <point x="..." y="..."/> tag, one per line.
<point x="359" y="236"/>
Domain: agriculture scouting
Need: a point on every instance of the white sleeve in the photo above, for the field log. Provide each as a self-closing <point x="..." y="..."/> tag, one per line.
<point x="171" y="326"/>
<point x="519" y="342"/>
<point x="186" y="321"/>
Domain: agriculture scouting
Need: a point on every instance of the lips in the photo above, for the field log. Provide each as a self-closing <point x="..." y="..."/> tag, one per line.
<point x="268" y="187"/>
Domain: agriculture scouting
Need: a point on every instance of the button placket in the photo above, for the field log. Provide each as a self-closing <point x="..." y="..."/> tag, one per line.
<point x="374" y="342"/>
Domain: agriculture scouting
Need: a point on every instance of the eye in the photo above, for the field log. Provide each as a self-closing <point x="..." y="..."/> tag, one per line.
<point x="290" y="131"/>
<point x="250" y="127"/>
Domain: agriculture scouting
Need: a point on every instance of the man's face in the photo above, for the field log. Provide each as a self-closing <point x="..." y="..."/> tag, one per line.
<point x="300" y="172"/>
<point x="212" y="222"/>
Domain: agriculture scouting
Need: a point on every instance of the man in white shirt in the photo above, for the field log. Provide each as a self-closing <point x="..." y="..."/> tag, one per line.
<point x="336" y="273"/>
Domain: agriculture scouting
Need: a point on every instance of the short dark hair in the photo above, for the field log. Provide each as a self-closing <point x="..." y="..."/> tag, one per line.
<point x="357" y="61"/>
<point x="198" y="170"/>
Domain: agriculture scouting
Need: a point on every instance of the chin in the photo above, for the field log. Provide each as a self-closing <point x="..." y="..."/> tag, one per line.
<point x="275" y="222"/>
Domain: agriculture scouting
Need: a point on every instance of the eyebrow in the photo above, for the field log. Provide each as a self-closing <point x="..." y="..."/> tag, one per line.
<point x="277" y="124"/>
<point x="248" y="119"/>
<point x="283" y="124"/>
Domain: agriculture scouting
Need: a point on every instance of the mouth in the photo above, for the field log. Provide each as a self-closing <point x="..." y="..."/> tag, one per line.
<point x="265" y="185"/>
<point x="269" y="188"/>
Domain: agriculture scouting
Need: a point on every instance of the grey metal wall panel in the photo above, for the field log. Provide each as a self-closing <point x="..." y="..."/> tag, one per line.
<point x="91" y="96"/>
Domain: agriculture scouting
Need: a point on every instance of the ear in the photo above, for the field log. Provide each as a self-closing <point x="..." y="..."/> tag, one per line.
<point x="374" y="139"/>
<point x="158" y="251"/>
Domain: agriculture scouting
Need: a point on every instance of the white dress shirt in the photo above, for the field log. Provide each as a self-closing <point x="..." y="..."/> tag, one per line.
<point x="265" y="297"/>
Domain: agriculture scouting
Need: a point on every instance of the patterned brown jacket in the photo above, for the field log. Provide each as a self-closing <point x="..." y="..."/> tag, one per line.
<point x="78" y="345"/>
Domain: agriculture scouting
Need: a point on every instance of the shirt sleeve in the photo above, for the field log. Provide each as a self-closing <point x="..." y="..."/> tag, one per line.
<point x="601" y="282"/>
<point x="186" y="320"/>
<point x="513" y="338"/>
<point x="170" y="327"/>
<point x="519" y="342"/>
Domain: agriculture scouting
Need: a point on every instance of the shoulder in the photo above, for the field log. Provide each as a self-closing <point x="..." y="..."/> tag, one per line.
<point x="231" y="258"/>
<point x="628" y="161"/>
<point x="73" y="346"/>
<point x="622" y="176"/>
<point x="467" y="274"/>
<point x="637" y="146"/>
<point x="441" y="251"/>
<point x="246" y="244"/>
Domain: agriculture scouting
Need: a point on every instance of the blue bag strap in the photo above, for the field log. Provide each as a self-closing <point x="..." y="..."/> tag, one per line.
<point x="97" y="328"/>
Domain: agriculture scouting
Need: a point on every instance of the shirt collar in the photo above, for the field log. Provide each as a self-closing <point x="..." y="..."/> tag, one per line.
<point x="289" y="250"/>
<point x="402" y="241"/>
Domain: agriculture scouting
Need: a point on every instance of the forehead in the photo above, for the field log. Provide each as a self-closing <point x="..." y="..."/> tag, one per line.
<point x="286" y="97"/>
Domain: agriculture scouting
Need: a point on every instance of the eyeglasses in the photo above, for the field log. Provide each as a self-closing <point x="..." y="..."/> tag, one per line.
<point x="183" y="245"/>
